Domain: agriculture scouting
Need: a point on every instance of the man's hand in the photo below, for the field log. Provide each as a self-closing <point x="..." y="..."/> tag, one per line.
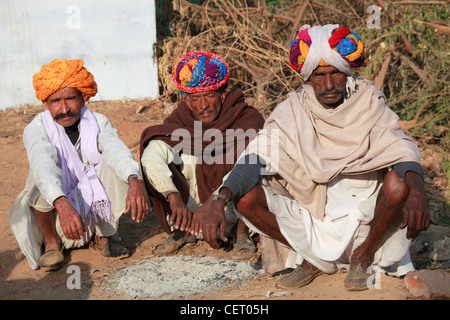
<point x="69" y="218"/>
<point x="181" y="216"/>
<point x="416" y="215"/>
<point x="136" y="201"/>
<point x="199" y="215"/>
<point x="215" y="220"/>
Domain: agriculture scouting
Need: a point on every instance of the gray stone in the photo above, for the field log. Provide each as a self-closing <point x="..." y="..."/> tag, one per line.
<point x="441" y="251"/>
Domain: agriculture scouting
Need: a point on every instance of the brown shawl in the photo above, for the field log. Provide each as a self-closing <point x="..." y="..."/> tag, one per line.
<point x="213" y="150"/>
<point x="308" y="145"/>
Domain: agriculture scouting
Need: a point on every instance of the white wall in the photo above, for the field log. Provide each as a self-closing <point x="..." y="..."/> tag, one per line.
<point x="115" y="39"/>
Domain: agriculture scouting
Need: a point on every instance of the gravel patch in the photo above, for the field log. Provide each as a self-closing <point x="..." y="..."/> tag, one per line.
<point x="180" y="276"/>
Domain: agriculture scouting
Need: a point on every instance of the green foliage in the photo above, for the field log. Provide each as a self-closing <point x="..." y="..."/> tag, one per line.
<point x="416" y="85"/>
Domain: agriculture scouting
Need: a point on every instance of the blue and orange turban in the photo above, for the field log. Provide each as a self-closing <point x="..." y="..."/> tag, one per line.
<point x="60" y="74"/>
<point x="326" y="45"/>
<point x="200" y="71"/>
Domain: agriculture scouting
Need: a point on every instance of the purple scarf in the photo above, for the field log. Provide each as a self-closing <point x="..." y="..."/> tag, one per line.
<point x="79" y="180"/>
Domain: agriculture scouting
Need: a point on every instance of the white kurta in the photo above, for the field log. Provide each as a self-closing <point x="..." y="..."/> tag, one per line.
<point x="329" y="243"/>
<point x="44" y="185"/>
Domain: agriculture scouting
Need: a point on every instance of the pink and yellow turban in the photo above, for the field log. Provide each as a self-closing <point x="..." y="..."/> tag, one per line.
<point x="323" y="46"/>
<point x="60" y="74"/>
<point x="200" y="71"/>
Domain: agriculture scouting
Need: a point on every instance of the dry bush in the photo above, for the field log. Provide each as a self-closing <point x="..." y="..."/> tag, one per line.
<point x="407" y="57"/>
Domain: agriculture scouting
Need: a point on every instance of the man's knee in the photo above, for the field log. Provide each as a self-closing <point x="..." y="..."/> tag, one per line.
<point x="244" y="204"/>
<point x="395" y="189"/>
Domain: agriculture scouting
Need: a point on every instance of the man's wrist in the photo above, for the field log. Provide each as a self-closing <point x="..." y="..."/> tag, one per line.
<point x="132" y="176"/>
<point x="173" y="195"/>
<point x="221" y="196"/>
<point x="225" y="194"/>
<point x="59" y="200"/>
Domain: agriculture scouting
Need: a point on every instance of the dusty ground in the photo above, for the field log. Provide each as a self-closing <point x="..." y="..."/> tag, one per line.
<point x="18" y="281"/>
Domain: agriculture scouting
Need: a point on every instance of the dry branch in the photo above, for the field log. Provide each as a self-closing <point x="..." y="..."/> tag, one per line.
<point x="149" y="103"/>
<point x="422" y="74"/>
<point x="422" y="3"/>
<point x="254" y="38"/>
<point x="379" y="79"/>
<point x="441" y="29"/>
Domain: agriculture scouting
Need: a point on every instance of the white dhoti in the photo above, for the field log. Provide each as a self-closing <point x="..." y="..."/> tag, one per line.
<point x="329" y="243"/>
<point x="26" y="229"/>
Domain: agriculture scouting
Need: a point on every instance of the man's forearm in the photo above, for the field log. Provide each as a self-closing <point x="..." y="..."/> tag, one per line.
<point x="403" y="167"/>
<point x="244" y="176"/>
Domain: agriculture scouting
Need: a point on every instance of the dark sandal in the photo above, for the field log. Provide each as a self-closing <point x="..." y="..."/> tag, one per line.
<point x="298" y="278"/>
<point x="243" y="244"/>
<point x="173" y="243"/>
<point x="111" y="250"/>
<point x="51" y="260"/>
<point x="356" y="279"/>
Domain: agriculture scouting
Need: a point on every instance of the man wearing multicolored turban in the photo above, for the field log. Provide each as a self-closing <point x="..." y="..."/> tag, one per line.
<point x="82" y="176"/>
<point x="182" y="177"/>
<point x="324" y="46"/>
<point x="346" y="190"/>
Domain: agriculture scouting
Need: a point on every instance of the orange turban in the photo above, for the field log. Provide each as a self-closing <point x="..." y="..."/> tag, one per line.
<point x="60" y="74"/>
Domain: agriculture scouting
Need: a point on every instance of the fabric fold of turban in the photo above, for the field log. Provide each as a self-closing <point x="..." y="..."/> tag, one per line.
<point x="326" y="45"/>
<point x="62" y="73"/>
<point x="200" y="71"/>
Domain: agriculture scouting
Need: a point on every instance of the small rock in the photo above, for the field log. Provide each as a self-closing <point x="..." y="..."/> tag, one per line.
<point x="282" y="294"/>
<point x="441" y="250"/>
<point x="428" y="284"/>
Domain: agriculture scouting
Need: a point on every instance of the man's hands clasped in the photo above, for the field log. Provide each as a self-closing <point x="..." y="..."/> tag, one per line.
<point x="208" y="220"/>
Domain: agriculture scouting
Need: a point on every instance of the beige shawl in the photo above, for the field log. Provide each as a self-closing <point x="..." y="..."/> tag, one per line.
<point x="308" y="145"/>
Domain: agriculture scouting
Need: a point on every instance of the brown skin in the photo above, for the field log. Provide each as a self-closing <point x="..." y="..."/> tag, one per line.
<point x="65" y="108"/>
<point x="329" y="86"/>
<point x="400" y="204"/>
<point x="205" y="106"/>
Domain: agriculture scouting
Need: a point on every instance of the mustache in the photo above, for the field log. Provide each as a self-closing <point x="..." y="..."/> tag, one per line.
<point x="206" y="111"/>
<point x="64" y="115"/>
<point x="334" y="90"/>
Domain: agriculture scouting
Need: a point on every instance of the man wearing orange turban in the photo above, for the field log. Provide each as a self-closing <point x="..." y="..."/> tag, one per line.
<point x="82" y="176"/>
<point x="61" y="74"/>
<point x="348" y="191"/>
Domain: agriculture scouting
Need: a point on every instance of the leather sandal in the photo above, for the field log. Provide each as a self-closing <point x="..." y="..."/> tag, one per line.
<point x="298" y="278"/>
<point x="173" y="243"/>
<point x="244" y="244"/>
<point x="111" y="250"/>
<point x="356" y="279"/>
<point x="51" y="260"/>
